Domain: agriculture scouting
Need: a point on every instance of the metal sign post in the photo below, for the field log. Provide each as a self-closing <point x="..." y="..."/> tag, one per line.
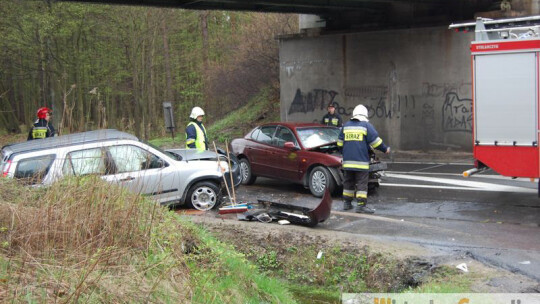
<point x="169" y="118"/>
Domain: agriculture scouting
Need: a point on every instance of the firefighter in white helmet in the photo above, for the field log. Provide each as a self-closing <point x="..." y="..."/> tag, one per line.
<point x="356" y="139"/>
<point x="195" y="132"/>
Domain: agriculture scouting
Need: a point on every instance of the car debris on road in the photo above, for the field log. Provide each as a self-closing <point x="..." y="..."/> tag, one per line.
<point x="267" y="211"/>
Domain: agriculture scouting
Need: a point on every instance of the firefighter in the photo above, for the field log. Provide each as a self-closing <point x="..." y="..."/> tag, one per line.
<point x="195" y="131"/>
<point x="332" y="118"/>
<point x="42" y="127"/>
<point x="356" y="139"/>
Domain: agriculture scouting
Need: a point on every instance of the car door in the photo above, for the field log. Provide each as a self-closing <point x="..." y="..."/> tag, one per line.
<point x="141" y="171"/>
<point x="284" y="161"/>
<point x="81" y="162"/>
<point x="258" y="151"/>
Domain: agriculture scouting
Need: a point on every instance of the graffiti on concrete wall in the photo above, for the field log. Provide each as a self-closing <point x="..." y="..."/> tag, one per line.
<point x="296" y="65"/>
<point x="442" y="89"/>
<point x="376" y="100"/>
<point x="308" y="102"/>
<point x="366" y="91"/>
<point x="428" y="119"/>
<point x="389" y="110"/>
<point x="457" y="113"/>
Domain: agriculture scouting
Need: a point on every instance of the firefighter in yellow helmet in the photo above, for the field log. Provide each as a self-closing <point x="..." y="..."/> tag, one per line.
<point x="195" y="132"/>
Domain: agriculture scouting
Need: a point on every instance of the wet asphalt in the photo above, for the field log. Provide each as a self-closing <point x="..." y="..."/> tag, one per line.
<point x="490" y="218"/>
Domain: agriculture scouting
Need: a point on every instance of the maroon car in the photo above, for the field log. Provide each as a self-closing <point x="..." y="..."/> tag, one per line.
<point x="303" y="153"/>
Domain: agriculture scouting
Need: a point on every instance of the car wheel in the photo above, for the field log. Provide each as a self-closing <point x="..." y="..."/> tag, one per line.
<point x="245" y="172"/>
<point x="320" y="179"/>
<point x="204" y="196"/>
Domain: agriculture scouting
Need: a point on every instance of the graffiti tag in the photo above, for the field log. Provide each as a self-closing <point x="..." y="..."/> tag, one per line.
<point x="457" y="114"/>
<point x="317" y="99"/>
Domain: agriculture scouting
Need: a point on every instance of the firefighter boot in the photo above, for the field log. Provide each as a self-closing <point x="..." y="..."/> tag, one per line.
<point x="362" y="208"/>
<point x="347" y="205"/>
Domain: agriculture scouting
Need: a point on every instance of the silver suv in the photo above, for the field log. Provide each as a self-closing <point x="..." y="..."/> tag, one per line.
<point x="119" y="158"/>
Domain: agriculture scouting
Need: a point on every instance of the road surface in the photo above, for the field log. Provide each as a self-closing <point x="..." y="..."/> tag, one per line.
<point x="490" y="218"/>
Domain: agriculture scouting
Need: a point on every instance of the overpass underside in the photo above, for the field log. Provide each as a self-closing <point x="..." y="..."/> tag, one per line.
<point x="343" y="14"/>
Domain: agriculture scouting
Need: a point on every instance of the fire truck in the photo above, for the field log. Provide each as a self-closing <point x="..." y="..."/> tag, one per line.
<point x="505" y="64"/>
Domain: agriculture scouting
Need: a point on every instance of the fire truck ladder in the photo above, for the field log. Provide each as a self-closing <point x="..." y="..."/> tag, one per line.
<point x="513" y="28"/>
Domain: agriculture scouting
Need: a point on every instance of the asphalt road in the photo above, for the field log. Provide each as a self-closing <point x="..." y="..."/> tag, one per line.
<point x="490" y="218"/>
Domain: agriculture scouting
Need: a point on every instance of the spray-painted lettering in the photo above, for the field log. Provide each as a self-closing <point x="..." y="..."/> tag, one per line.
<point x="442" y="89"/>
<point x="457" y="114"/>
<point x="308" y="102"/>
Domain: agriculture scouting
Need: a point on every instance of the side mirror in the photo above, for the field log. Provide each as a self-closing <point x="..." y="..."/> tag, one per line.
<point x="290" y="146"/>
<point x="157" y="163"/>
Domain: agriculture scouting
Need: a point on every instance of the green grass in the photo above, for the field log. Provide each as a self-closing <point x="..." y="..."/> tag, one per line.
<point x="308" y="295"/>
<point x="83" y="240"/>
<point x="341" y="269"/>
<point x="260" y="109"/>
<point x="445" y="279"/>
<point x="223" y="275"/>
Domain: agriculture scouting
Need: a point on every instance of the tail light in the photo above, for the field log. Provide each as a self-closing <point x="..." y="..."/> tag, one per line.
<point x="7" y="166"/>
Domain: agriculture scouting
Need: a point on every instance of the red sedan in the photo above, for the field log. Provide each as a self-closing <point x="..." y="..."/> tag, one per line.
<point x="304" y="153"/>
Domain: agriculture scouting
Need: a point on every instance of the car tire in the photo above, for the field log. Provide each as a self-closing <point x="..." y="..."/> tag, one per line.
<point x="319" y="180"/>
<point x="204" y="196"/>
<point x="245" y="172"/>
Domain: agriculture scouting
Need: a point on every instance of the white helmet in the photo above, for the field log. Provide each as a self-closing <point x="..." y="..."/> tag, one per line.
<point x="360" y="112"/>
<point x="196" y="112"/>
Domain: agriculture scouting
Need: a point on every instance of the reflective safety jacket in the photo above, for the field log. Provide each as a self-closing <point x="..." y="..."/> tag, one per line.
<point x="196" y="136"/>
<point x="41" y="129"/>
<point x="332" y="120"/>
<point x="355" y="139"/>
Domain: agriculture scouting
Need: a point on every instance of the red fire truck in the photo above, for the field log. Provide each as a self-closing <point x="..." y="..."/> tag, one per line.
<point x="505" y="76"/>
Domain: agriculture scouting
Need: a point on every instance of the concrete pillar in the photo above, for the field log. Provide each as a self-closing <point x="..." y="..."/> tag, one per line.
<point x="416" y="83"/>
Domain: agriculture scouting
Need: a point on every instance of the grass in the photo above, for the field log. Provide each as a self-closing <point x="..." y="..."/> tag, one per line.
<point x="84" y="240"/>
<point x="445" y="279"/>
<point x="260" y="109"/>
<point x="226" y="275"/>
<point x="341" y="269"/>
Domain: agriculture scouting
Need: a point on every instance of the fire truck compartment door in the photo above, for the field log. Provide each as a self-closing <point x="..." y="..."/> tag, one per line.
<point x="505" y="98"/>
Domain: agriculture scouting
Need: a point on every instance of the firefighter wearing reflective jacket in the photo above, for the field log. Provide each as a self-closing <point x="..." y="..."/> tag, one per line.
<point x="42" y="127"/>
<point x="332" y="118"/>
<point x="356" y="139"/>
<point x="195" y="131"/>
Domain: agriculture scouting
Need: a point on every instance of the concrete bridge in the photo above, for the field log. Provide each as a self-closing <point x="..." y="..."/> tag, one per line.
<point x="397" y="57"/>
<point x="353" y="14"/>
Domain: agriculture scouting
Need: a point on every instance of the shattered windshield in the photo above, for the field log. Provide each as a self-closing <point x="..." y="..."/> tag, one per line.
<point x="317" y="136"/>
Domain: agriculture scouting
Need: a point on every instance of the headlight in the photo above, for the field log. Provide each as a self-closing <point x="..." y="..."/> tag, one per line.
<point x="224" y="166"/>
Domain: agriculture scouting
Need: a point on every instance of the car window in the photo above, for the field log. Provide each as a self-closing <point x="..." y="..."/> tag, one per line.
<point x="255" y="133"/>
<point x="83" y="162"/>
<point x="284" y="135"/>
<point x="168" y="153"/>
<point x="128" y="158"/>
<point x="265" y="135"/>
<point x="317" y="136"/>
<point x="33" y="170"/>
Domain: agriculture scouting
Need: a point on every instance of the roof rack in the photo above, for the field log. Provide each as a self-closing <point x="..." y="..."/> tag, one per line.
<point x="70" y="139"/>
<point x="486" y="29"/>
